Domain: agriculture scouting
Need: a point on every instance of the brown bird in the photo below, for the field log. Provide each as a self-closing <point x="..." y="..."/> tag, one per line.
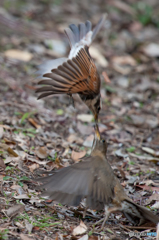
<point x="94" y="179"/>
<point x="77" y="73"/>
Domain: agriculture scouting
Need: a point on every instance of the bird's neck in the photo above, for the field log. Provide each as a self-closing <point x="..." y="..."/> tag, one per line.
<point x="98" y="153"/>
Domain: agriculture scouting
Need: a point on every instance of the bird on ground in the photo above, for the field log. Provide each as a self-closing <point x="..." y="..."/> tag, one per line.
<point x="77" y="73"/>
<point x="94" y="179"/>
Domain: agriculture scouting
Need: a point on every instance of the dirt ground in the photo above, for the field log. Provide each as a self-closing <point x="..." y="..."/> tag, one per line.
<point x="37" y="135"/>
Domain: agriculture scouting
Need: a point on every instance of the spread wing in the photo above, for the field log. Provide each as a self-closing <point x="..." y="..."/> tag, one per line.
<point x="78" y="75"/>
<point x="68" y="185"/>
<point x="85" y="179"/>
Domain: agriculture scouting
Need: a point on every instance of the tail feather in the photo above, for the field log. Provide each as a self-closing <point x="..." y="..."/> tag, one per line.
<point x="75" y="31"/>
<point x="78" y="34"/>
<point x="134" y="210"/>
<point x="82" y="30"/>
<point x="98" y="26"/>
<point x="88" y="26"/>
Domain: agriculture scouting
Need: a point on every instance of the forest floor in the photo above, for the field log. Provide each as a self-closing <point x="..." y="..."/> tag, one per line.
<point x="49" y="134"/>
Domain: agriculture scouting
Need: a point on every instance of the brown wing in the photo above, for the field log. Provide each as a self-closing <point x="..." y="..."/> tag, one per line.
<point x="68" y="185"/>
<point x="78" y="75"/>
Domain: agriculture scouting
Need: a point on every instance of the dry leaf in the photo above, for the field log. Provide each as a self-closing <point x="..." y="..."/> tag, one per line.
<point x="18" y="55"/>
<point x="151" y="50"/>
<point x="89" y="141"/>
<point x="95" y="53"/>
<point x="2" y="165"/>
<point x="122" y="6"/>
<point x="12" y="211"/>
<point x="33" y="167"/>
<point x="77" y="155"/>
<point x="34" y="123"/>
<point x="156" y="205"/>
<point x="22" y="196"/>
<point x="1" y="132"/>
<point x="81" y="229"/>
<point x="12" y="152"/>
<point x="123" y="64"/>
<point x="85" y="237"/>
<point x="124" y="60"/>
<point x="84" y="129"/>
<point x="106" y="78"/>
<point x="25" y="237"/>
<point x="41" y="152"/>
<point x="85" y="117"/>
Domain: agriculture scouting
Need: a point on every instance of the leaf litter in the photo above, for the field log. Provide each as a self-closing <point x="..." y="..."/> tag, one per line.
<point x="41" y="135"/>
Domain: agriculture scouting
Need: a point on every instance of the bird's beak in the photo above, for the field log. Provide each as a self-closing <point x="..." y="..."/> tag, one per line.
<point x="97" y="133"/>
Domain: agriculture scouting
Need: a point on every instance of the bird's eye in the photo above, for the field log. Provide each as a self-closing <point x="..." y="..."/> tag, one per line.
<point x="98" y="109"/>
<point x="103" y="141"/>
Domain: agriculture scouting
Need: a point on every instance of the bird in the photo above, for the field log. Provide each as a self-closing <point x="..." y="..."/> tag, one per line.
<point x="94" y="180"/>
<point x="77" y="73"/>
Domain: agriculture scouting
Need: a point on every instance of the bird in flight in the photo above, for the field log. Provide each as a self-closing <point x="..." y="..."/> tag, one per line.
<point x="77" y="73"/>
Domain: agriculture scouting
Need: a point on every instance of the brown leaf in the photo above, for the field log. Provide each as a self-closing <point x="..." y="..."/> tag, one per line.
<point x="82" y="228"/>
<point x="41" y="152"/>
<point x="148" y="188"/>
<point x="98" y="56"/>
<point x="12" y="211"/>
<point x="106" y="78"/>
<point x="25" y="237"/>
<point x="11" y="151"/>
<point x="34" y="123"/>
<point x="18" y="55"/>
<point x="2" y="165"/>
<point x="122" y="6"/>
<point x="33" y="167"/>
<point x="77" y="155"/>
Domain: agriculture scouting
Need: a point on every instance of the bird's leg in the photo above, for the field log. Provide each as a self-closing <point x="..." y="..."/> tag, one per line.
<point x="72" y="100"/>
<point x="103" y="219"/>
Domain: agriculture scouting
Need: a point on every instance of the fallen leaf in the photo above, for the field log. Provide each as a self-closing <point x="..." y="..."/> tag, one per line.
<point x="33" y="167"/>
<point x="1" y="131"/>
<point x="12" y="211"/>
<point x="12" y="152"/>
<point x="153" y="197"/>
<point x="156" y="205"/>
<point x="2" y="165"/>
<point x="28" y="226"/>
<point x="151" y="50"/>
<point x="148" y="188"/>
<point x="84" y="129"/>
<point x="81" y="229"/>
<point x="41" y="152"/>
<point x="123" y="64"/>
<point x="25" y="237"/>
<point x="18" y="55"/>
<point x="22" y="196"/>
<point x="85" y="117"/>
<point x="97" y="55"/>
<point x="85" y="237"/>
<point x="77" y="155"/>
<point x="122" y="6"/>
<point x="124" y="60"/>
<point x="89" y="141"/>
<point x="106" y="78"/>
<point x="34" y="123"/>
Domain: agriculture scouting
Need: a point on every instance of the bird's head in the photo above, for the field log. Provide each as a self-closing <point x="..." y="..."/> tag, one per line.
<point x="99" y="144"/>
